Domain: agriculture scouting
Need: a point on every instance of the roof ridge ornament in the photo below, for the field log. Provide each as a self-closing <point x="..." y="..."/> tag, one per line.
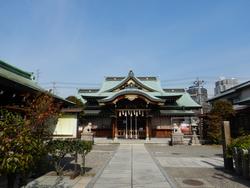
<point x="131" y="73"/>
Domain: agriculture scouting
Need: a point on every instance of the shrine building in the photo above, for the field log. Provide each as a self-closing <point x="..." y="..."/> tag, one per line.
<point x="136" y="108"/>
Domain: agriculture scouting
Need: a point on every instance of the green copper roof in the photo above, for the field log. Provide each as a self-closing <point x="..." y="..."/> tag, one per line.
<point x="22" y="78"/>
<point x="186" y="101"/>
<point x="15" y="70"/>
<point x="136" y="80"/>
<point x="148" y="95"/>
<point x="149" y="83"/>
<point x="153" y="85"/>
<point x="149" y="87"/>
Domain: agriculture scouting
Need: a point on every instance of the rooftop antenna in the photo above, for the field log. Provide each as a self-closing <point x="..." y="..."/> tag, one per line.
<point x="37" y="75"/>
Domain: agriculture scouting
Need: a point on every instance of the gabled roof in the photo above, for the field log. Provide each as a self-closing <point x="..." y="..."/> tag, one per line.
<point x="114" y="83"/>
<point x="149" y="87"/>
<point x="186" y="101"/>
<point x="230" y="91"/>
<point x="131" y="92"/>
<point x="127" y="79"/>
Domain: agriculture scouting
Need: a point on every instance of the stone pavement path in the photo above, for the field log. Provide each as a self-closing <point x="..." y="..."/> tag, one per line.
<point x="131" y="166"/>
<point x="195" y="166"/>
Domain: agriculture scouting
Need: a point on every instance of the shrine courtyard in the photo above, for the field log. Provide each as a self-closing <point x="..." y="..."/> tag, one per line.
<point x="151" y="165"/>
<point x="156" y="165"/>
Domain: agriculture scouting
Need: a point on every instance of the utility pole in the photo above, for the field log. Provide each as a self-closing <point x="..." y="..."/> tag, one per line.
<point x="54" y="87"/>
<point x="37" y="75"/>
<point x="199" y="84"/>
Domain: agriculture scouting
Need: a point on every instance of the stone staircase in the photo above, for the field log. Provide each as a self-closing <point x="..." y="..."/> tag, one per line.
<point x="103" y="140"/>
<point x="132" y="141"/>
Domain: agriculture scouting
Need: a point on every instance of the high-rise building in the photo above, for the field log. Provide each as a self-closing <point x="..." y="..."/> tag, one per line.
<point x="201" y="97"/>
<point x="224" y="84"/>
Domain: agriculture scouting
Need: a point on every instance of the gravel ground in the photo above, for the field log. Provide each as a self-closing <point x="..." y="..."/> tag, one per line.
<point x="201" y="176"/>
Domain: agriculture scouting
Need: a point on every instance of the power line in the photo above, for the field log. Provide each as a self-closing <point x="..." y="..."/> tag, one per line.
<point x="69" y="83"/>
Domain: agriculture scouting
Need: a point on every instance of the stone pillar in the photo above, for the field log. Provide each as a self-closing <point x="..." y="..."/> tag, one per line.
<point x="201" y="125"/>
<point x="226" y="140"/>
<point x="126" y="130"/>
<point x="147" y="127"/>
<point x="136" y="136"/>
<point x="114" y="127"/>
<point x="131" y="127"/>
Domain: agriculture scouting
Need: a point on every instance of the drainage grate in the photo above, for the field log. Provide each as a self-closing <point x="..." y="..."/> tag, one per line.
<point x="192" y="182"/>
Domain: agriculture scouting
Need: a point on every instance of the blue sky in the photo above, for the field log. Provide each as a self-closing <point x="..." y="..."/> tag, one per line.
<point x="80" y="41"/>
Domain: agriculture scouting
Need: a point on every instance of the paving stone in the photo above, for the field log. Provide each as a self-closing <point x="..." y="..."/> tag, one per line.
<point x="195" y="162"/>
<point x="131" y="165"/>
<point x="201" y="163"/>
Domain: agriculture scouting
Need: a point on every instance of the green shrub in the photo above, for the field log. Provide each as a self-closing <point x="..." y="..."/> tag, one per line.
<point x="59" y="148"/>
<point x="221" y="111"/>
<point x="242" y="142"/>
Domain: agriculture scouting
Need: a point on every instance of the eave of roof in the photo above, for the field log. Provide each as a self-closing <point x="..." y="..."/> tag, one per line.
<point x="15" y="70"/>
<point x="20" y="80"/>
<point x="108" y="94"/>
<point x="73" y="110"/>
<point x="230" y="91"/>
<point x="26" y="82"/>
<point x="177" y="112"/>
<point x="244" y="101"/>
<point x="131" y="91"/>
<point x="92" y="112"/>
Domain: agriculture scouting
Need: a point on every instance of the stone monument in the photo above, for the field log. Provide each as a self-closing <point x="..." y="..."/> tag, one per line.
<point x="177" y="136"/>
<point x="87" y="134"/>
